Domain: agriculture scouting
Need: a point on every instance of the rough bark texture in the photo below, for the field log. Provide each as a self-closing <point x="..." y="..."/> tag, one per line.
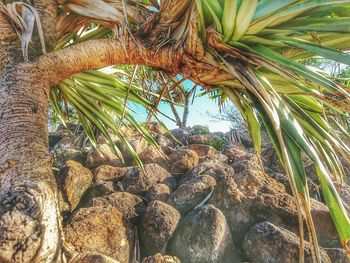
<point x="28" y="203"/>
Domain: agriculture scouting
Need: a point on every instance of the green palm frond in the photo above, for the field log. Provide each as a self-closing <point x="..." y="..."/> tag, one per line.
<point x="294" y="100"/>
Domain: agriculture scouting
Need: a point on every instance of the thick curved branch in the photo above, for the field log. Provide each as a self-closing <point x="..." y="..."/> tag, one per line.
<point x="61" y="64"/>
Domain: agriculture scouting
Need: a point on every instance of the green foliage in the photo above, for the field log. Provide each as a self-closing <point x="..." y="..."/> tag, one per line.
<point x="198" y="129"/>
<point x="219" y="144"/>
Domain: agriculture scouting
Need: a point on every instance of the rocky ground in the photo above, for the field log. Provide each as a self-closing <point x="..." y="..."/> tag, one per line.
<point x="190" y="203"/>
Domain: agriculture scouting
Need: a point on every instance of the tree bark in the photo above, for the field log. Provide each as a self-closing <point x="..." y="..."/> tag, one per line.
<point x="29" y="224"/>
<point x="29" y="215"/>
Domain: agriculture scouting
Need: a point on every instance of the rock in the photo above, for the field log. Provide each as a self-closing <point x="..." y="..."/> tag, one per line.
<point x="157" y="128"/>
<point x="61" y="156"/>
<point x="217" y="170"/>
<point x="283" y="179"/>
<point x="190" y="194"/>
<point x="109" y="173"/>
<point x="204" y="152"/>
<point x="106" y="181"/>
<point x="326" y="232"/>
<point x="101" y="230"/>
<point x="102" y="155"/>
<point x="182" y="160"/>
<point x="158" y="258"/>
<point x="99" y="188"/>
<point x="137" y="142"/>
<point x="158" y="226"/>
<point x="271" y="160"/>
<point x="345" y="195"/>
<point x="266" y="242"/>
<point x="66" y="142"/>
<point x="73" y="180"/>
<point x="101" y="140"/>
<point x="153" y="155"/>
<point x="131" y="206"/>
<point x="182" y="135"/>
<point x="165" y="142"/>
<point x="204" y="236"/>
<point x="337" y="255"/>
<point x="55" y="137"/>
<point x="68" y="125"/>
<point x="93" y="257"/>
<point x="250" y="161"/>
<point x="137" y="180"/>
<point x="159" y="192"/>
<point x="201" y="138"/>
<point x="235" y="153"/>
<point x="249" y="198"/>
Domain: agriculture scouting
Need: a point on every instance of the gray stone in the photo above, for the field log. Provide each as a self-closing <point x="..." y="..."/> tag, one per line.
<point x="99" y="229"/>
<point x="204" y="236"/>
<point x="190" y="194"/>
<point x="215" y="169"/>
<point x="159" y="192"/>
<point x="131" y="206"/>
<point x="138" y="180"/>
<point x="73" y="181"/>
<point x="182" y="160"/>
<point x="266" y="242"/>
<point x="158" y="225"/>
<point x="102" y="155"/>
<point x="61" y="156"/>
<point x="251" y="197"/>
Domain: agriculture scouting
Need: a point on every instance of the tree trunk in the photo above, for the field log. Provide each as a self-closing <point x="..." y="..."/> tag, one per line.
<point x="187" y="109"/>
<point x="29" y="224"/>
<point x="29" y="215"/>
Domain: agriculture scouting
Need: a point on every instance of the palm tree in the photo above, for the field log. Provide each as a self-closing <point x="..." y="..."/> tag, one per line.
<point x="250" y="50"/>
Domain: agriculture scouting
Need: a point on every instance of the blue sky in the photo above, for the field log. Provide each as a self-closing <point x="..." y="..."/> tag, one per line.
<point x="198" y="113"/>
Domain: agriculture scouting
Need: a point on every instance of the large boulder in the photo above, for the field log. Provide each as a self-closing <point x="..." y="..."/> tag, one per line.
<point x="182" y="160"/>
<point x="190" y="194"/>
<point x="99" y="229"/>
<point x="131" y="206"/>
<point x="158" y="258"/>
<point x="326" y="232"/>
<point x="102" y="155"/>
<point x="201" y="138"/>
<point x="250" y="161"/>
<point x="138" y="180"/>
<point x="109" y="173"/>
<point x="266" y="242"/>
<point x="204" y="236"/>
<point x="235" y="152"/>
<point x="73" y="180"/>
<point x="158" y="225"/>
<point x="204" y="152"/>
<point x="153" y="155"/>
<point x="251" y="197"/>
<point x="337" y="255"/>
<point x="182" y="134"/>
<point x="159" y="192"/>
<point x="62" y="155"/>
<point x="106" y="180"/>
<point x="55" y="137"/>
<point x="215" y="169"/>
<point x="90" y="257"/>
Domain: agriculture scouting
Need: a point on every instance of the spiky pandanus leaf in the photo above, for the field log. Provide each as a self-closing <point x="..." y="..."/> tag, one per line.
<point x="294" y="100"/>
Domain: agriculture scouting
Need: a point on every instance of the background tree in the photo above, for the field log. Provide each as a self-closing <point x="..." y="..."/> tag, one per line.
<point x="249" y="50"/>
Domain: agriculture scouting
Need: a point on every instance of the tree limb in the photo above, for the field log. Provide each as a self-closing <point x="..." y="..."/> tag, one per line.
<point x="59" y="65"/>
